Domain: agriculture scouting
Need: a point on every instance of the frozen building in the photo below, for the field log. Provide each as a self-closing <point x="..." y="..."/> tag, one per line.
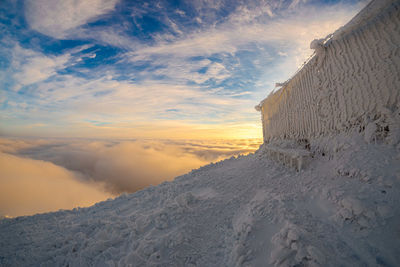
<point x="351" y="82"/>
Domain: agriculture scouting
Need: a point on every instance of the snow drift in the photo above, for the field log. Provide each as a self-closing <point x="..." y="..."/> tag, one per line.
<point x="352" y="81"/>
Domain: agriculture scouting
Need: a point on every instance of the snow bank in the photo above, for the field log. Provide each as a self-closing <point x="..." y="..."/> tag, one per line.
<point x="351" y="82"/>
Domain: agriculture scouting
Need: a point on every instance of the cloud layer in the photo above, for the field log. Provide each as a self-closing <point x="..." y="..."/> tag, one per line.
<point x="33" y="186"/>
<point x="43" y="175"/>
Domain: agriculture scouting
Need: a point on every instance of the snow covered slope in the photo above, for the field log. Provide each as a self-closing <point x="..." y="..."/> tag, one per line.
<point x="352" y="80"/>
<point x="343" y="210"/>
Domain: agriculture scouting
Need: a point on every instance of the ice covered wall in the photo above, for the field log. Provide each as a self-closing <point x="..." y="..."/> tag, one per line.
<point x="352" y="81"/>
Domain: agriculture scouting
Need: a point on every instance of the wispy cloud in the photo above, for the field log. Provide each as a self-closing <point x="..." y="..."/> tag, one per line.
<point x="199" y="65"/>
<point x="30" y="67"/>
<point x="58" y="18"/>
<point x="292" y="29"/>
<point x="73" y="100"/>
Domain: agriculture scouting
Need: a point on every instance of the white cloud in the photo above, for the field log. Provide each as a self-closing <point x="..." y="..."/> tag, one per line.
<point x="289" y="33"/>
<point x="180" y="70"/>
<point x="294" y="30"/>
<point x="33" y="67"/>
<point x="105" y="35"/>
<point x="217" y="71"/>
<point x="125" y="105"/>
<point x="57" y="18"/>
<point x="30" y="67"/>
<point x="180" y="12"/>
<point x="244" y="14"/>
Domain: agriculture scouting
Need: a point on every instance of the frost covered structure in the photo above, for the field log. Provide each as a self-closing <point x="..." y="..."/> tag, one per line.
<point x="352" y="81"/>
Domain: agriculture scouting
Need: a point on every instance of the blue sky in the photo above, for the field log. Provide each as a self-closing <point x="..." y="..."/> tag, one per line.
<point x="151" y="69"/>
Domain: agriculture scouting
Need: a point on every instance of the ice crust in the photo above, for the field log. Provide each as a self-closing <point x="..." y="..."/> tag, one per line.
<point x="350" y="82"/>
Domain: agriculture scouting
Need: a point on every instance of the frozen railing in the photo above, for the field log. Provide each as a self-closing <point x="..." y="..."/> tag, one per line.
<point x="293" y="158"/>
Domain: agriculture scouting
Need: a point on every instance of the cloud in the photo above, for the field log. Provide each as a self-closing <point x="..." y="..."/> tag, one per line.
<point x="211" y="74"/>
<point x="108" y="36"/>
<point x="265" y="32"/>
<point x="32" y="67"/>
<point x="296" y="28"/>
<point x="32" y="186"/>
<point x="126" y="166"/>
<point x="57" y="18"/>
<point x="76" y="101"/>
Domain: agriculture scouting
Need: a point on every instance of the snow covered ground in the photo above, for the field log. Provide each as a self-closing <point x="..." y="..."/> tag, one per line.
<point x="343" y="209"/>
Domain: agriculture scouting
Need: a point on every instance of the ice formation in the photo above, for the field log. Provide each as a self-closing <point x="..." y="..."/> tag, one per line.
<point x="350" y="82"/>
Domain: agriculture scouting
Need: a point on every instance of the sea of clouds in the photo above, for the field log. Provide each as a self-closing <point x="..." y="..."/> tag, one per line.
<point x="40" y="175"/>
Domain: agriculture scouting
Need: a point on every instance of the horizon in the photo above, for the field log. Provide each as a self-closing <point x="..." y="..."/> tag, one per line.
<point x="168" y="82"/>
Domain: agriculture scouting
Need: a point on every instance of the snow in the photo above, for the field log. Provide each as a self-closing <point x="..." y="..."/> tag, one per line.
<point x="352" y="79"/>
<point x="368" y="14"/>
<point x="342" y="209"/>
<point x="294" y="158"/>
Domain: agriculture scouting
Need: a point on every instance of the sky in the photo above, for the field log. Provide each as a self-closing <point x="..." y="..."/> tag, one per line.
<point x="151" y="69"/>
<point x="105" y="97"/>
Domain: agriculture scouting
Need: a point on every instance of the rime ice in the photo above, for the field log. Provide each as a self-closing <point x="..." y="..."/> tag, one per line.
<point x="351" y="81"/>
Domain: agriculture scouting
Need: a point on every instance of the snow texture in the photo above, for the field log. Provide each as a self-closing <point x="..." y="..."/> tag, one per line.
<point x="350" y="82"/>
<point x="342" y="210"/>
